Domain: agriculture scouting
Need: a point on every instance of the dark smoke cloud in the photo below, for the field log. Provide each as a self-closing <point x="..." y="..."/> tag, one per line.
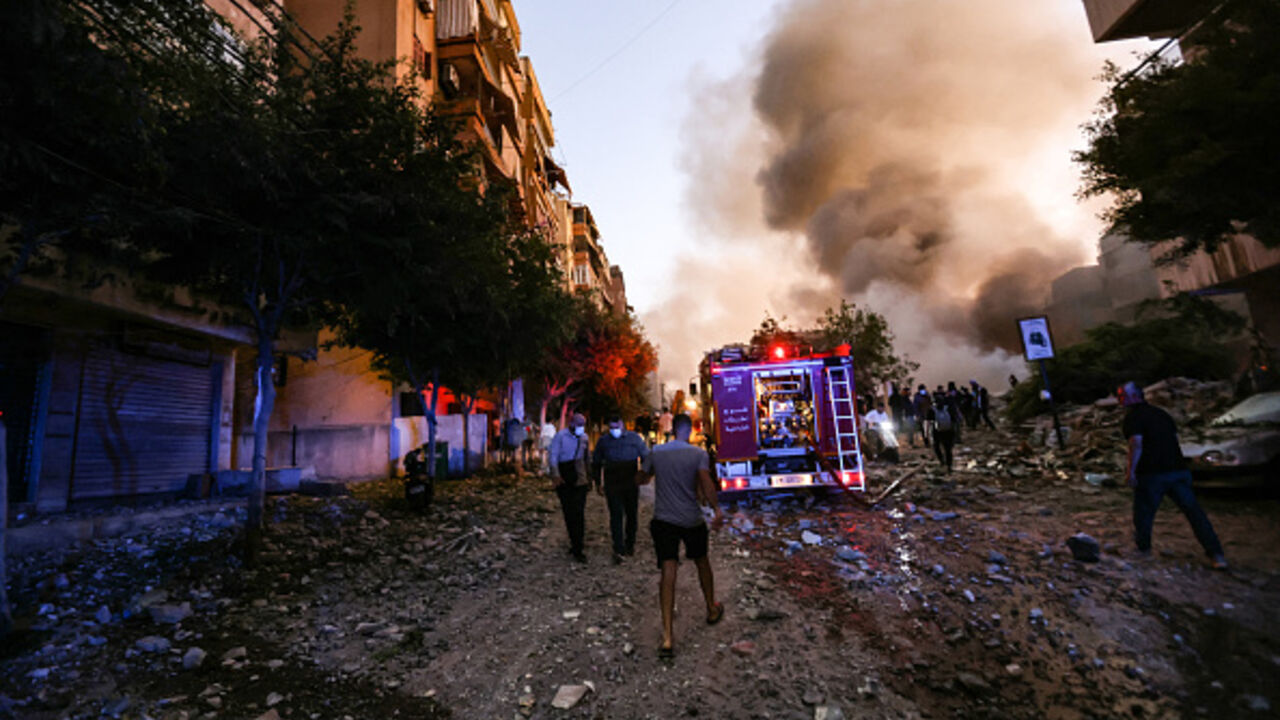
<point x="919" y="151"/>
<point x="876" y="109"/>
<point x="891" y="229"/>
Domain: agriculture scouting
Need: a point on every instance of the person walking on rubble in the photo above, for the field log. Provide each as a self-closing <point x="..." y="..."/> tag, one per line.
<point x="568" y="464"/>
<point x="1155" y="468"/>
<point x="982" y="403"/>
<point x="944" y="422"/>
<point x="923" y="404"/>
<point x="617" y="456"/>
<point x="682" y="481"/>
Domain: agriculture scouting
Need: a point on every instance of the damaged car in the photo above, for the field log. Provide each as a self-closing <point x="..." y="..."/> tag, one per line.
<point x="1241" y="446"/>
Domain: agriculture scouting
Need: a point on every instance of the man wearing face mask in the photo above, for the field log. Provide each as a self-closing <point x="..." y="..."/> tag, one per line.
<point x="618" y="455"/>
<point x="568" y="465"/>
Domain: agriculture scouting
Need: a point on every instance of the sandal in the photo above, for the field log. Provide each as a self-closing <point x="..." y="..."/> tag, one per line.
<point x="666" y="652"/>
<point x="716" y="614"/>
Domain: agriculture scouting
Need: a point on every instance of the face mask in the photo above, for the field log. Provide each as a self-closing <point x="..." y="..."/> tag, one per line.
<point x="579" y="431"/>
<point x="616" y="432"/>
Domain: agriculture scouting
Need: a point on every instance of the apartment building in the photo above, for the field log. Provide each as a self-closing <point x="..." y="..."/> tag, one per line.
<point x="335" y="414"/>
<point x="109" y="394"/>
<point x="591" y="272"/>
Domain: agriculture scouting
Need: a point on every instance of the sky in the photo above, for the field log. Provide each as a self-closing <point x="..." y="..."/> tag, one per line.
<point x="753" y="156"/>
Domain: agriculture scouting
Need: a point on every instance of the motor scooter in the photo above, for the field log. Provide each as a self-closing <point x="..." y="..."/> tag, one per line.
<point x="419" y="490"/>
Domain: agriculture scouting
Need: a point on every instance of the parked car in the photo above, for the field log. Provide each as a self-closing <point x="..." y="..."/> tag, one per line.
<point x="1240" y="446"/>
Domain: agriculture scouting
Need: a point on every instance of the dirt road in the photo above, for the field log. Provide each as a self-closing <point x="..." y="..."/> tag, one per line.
<point x="955" y="597"/>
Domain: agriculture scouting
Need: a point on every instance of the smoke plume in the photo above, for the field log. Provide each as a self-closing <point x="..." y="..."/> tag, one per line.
<point x="917" y="152"/>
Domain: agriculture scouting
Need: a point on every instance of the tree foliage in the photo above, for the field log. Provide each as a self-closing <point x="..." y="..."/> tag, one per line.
<point x="1182" y="336"/>
<point x="77" y="137"/>
<point x="603" y="366"/>
<point x="1188" y="152"/>
<point x="866" y="332"/>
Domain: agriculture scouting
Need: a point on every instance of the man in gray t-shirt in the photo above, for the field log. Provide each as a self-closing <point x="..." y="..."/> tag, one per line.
<point x="682" y="474"/>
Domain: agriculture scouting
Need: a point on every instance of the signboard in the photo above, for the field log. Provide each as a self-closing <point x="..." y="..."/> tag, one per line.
<point x="517" y="399"/>
<point x="1037" y="342"/>
<point x="736" y="414"/>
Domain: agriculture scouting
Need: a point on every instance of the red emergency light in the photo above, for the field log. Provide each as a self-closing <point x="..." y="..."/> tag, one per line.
<point x="779" y="352"/>
<point x="851" y="477"/>
<point x="738" y="483"/>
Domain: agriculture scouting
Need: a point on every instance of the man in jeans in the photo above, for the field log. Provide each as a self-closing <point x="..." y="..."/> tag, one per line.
<point x="618" y="455"/>
<point x="682" y="474"/>
<point x="568" y="464"/>
<point x="1155" y="467"/>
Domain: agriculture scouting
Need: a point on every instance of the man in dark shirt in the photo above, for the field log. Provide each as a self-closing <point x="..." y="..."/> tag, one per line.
<point x="1155" y="467"/>
<point x="618" y="456"/>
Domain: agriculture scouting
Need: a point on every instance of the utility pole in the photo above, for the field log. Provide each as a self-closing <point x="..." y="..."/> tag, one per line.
<point x="1053" y="408"/>
<point x="1037" y="344"/>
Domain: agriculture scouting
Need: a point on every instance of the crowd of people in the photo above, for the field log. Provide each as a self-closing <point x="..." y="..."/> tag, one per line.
<point x="622" y="461"/>
<point x="936" y="419"/>
<point x="659" y="451"/>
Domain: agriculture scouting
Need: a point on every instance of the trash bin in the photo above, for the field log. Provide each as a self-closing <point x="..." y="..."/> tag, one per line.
<point x="442" y="460"/>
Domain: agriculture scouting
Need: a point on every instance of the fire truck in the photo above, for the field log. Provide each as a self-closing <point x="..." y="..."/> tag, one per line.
<point x="781" y="417"/>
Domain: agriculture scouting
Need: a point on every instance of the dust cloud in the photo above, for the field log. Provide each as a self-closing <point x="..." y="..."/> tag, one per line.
<point x="910" y="155"/>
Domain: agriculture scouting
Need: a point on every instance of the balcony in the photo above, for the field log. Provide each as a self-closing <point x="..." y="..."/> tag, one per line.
<point x="1123" y="19"/>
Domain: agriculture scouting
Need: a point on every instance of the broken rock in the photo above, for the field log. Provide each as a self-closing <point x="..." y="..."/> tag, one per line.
<point x="193" y="658"/>
<point x="153" y="644"/>
<point x="568" y="696"/>
<point x="1084" y="548"/>
<point x="828" y="712"/>
<point x="170" y="614"/>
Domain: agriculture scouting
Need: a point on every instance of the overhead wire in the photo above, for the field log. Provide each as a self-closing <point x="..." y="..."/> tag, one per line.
<point x="621" y="49"/>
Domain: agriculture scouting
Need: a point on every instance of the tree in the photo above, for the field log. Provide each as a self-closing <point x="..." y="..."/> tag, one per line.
<point x="603" y="366"/>
<point x="865" y="331"/>
<point x="868" y="334"/>
<point x="315" y="155"/>
<point x="464" y="297"/>
<point x="77" y="124"/>
<point x="1187" y="152"/>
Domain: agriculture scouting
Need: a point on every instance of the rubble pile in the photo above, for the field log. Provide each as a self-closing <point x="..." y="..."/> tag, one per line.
<point x="1095" y="444"/>
<point x="1002" y="589"/>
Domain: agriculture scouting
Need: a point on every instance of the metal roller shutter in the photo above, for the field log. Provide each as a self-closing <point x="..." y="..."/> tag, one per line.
<point x="144" y="425"/>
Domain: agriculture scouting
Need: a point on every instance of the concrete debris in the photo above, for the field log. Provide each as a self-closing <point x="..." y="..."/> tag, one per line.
<point x="153" y="644"/>
<point x="193" y="658"/>
<point x="1084" y="548"/>
<point x="235" y="653"/>
<point x="170" y="614"/>
<point x="568" y="696"/>
<point x="828" y="712"/>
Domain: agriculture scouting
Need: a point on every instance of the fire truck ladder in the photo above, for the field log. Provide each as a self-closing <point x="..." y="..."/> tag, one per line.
<point x="844" y="415"/>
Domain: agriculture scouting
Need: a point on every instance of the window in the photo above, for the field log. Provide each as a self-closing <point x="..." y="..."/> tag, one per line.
<point x="421" y="59"/>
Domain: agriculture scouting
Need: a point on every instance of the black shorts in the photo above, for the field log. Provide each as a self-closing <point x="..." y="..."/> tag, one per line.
<point x="667" y="538"/>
